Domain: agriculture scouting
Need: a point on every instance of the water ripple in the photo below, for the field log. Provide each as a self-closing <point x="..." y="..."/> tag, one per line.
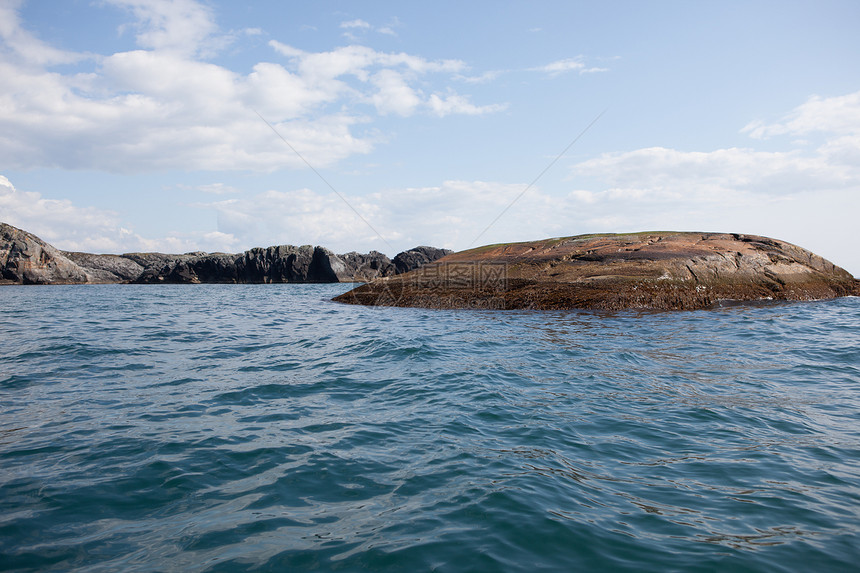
<point x="264" y="428"/>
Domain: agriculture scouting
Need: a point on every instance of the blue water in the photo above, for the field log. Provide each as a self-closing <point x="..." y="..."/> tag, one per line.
<point x="264" y="428"/>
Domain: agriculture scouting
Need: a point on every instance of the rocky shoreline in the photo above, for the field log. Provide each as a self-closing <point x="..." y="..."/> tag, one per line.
<point x="27" y="259"/>
<point x="650" y="270"/>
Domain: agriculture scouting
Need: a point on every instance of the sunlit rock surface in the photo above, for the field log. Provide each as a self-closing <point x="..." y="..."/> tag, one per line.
<point x="650" y="270"/>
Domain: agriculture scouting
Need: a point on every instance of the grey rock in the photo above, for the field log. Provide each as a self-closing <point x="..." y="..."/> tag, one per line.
<point x="26" y="259"/>
<point x="106" y="268"/>
<point x="367" y="267"/>
<point x="327" y="267"/>
<point x="418" y="256"/>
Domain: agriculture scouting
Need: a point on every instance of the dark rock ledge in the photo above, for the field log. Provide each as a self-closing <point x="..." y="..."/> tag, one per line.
<point x="26" y="259"/>
<point x="650" y="270"/>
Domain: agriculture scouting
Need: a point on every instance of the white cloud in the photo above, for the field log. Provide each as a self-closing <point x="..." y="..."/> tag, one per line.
<point x="832" y="166"/>
<point x="394" y="94"/>
<point x="482" y="78"/>
<point x="57" y="220"/>
<point x="454" y="213"/>
<point x="162" y="107"/>
<point x="659" y="169"/>
<point x="454" y="103"/>
<point x="355" y="61"/>
<point x="834" y="115"/>
<point x="363" y="26"/>
<point x="182" y="26"/>
<point x="72" y="228"/>
<point x="806" y="196"/>
<point x="448" y="215"/>
<point x="559" y="67"/>
<point x="28" y="49"/>
<point x="355" y="24"/>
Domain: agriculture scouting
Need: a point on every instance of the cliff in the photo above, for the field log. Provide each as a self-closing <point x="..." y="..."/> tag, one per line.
<point x="26" y="259"/>
<point x="651" y="270"/>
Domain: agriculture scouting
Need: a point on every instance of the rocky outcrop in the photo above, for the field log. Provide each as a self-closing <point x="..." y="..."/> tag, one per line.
<point x="26" y="259"/>
<point x="368" y="267"/>
<point x="106" y="268"/>
<point x="281" y="264"/>
<point x="659" y="270"/>
<point x="417" y="257"/>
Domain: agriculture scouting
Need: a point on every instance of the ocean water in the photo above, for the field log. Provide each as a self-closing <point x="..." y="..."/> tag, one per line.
<point x="265" y="428"/>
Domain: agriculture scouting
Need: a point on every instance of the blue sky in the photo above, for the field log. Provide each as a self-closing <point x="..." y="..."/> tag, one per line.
<point x="129" y="125"/>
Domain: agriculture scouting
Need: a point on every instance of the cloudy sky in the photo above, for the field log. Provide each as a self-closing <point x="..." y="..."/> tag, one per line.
<point x="129" y="125"/>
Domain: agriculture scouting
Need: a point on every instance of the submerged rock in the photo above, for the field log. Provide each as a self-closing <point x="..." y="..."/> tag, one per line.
<point x="652" y="270"/>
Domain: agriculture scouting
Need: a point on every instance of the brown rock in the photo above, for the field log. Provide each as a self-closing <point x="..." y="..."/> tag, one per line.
<point x="652" y="270"/>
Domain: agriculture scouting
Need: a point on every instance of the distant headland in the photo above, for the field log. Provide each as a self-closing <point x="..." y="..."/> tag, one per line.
<point x="649" y="270"/>
<point x="27" y="259"/>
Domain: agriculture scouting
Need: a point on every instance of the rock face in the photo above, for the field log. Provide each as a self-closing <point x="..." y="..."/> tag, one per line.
<point x="106" y="268"/>
<point x="417" y="257"/>
<point x="282" y="264"/>
<point x="656" y="270"/>
<point x="367" y="267"/>
<point x="26" y="259"/>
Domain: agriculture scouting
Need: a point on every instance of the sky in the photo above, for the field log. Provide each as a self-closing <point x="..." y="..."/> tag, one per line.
<point x="210" y="125"/>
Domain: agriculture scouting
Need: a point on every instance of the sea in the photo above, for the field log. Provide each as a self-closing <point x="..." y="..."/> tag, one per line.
<point x="203" y="428"/>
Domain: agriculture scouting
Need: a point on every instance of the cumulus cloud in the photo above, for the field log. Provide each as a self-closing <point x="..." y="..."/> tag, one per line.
<point x="74" y="228"/>
<point x="183" y="26"/>
<point x="807" y="195"/>
<point x="832" y="166"/>
<point x="662" y="170"/>
<point x="454" y="213"/>
<point x="27" y="49"/>
<point x="164" y="106"/>
<point x="50" y="217"/>
<point x="394" y="94"/>
<point x="450" y="215"/>
<point x="834" y="115"/>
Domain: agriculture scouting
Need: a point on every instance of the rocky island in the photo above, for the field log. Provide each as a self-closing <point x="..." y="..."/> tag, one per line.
<point x="26" y="259"/>
<point x="649" y="270"/>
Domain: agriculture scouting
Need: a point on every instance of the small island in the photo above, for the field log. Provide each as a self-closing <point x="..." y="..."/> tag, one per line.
<point x="647" y="270"/>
